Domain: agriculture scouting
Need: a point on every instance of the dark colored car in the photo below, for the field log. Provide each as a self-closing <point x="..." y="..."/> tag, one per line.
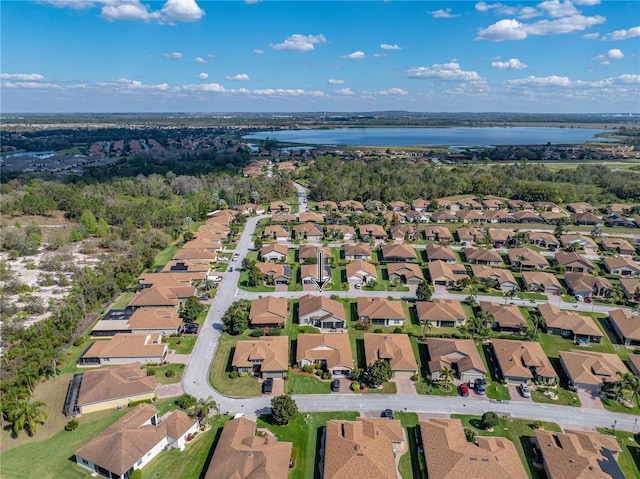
<point x="191" y="328"/>
<point x="335" y="385"/>
<point x="481" y="386"/>
<point x="388" y="413"/>
<point x="464" y="390"/>
<point x="267" y="386"/>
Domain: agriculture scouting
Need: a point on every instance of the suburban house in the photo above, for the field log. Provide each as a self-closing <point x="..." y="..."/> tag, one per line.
<point x="170" y="280"/>
<point x="618" y="245"/>
<point x="440" y="253"/>
<point x="446" y="274"/>
<point x="470" y="236"/>
<point x="626" y="326"/>
<point x="629" y="286"/>
<point x="403" y="232"/>
<point x="445" y="313"/>
<point x="268" y="312"/>
<point x="583" y="242"/>
<point x="332" y="351"/>
<point x="204" y="254"/>
<point x="327" y="206"/>
<point x="366" y="447"/>
<point x="279" y="207"/>
<point x="309" y="274"/>
<point x="321" y="312"/>
<point x="398" y="252"/>
<point x="499" y="237"/>
<point x="123" y="348"/>
<point x="277" y="273"/>
<point x="417" y="216"/>
<point x="309" y="253"/>
<point x="352" y="205"/>
<point x="242" y="454"/>
<point x="264" y="357"/>
<point x="634" y="363"/>
<point x="361" y="272"/>
<point x="443" y="217"/>
<point x="507" y="317"/>
<point x="309" y="217"/>
<point x="483" y="256"/>
<point x="547" y="206"/>
<point x="505" y="279"/>
<point x="439" y="234"/>
<point x="527" y="258"/>
<point x="393" y="348"/>
<point x="522" y="361"/>
<point x="161" y="296"/>
<point x="461" y="355"/>
<point x="345" y="232"/>
<point x="573" y="262"/>
<point x="499" y="216"/>
<point x="544" y="240"/>
<point x="468" y="204"/>
<point x="570" y="325"/>
<point x="420" y="204"/>
<point x="276" y="232"/>
<point x="552" y="217"/>
<point x="492" y="204"/>
<point x="134" y="440"/>
<point x="398" y="205"/>
<point x="621" y="266"/>
<point x="580" y="208"/>
<point x="590" y="370"/>
<point x="372" y="232"/>
<point x="406" y="273"/>
<point x="164" y="321"/>
<point x="188" y="265"/>
<point x="578" y="454"/>
<point x="471" y="216"/>
<point x="449" y="455"/>
<point x="357" y="251"/>
<point x="515" y="205"/>
<point x="308" y="231"/>
<point x="249" y="209"/>
<point x="588" y="219"/>
<point x="587" y="285"/>
<point x="540" y="281"/>
<point x="274" y="252"/>
<point x="108" y="388"/>
<point x="381" y="311"/>
<point x="618" y="221"/>
<point x="527" y="217"/>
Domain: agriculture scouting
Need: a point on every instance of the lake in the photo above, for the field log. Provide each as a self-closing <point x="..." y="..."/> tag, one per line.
<point x="491" y="136"/>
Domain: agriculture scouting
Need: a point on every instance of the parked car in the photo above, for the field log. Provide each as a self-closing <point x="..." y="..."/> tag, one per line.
<point x="464" y="390"/>
<point x="525" y="391"/>
<point x="191" y="328"/>
<point x="481" y="386"/>
<point x="235" y="257"/>
<point x="358" y="286"/>
<point x="335" y="385"/>
<point x="587" y="299"/>
<point x="267" y="386"/>
<point x="388" y="413"/>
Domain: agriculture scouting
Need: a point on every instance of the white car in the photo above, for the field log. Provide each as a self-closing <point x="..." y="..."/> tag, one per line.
<point x="524" y="390"/>
<point x="235" y="257"/>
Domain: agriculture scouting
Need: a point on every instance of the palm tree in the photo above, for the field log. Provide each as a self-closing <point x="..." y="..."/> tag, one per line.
<point x="203" y="407"/>
<point x="447" y="374"/>
<point x="26" y="414"/>
<point x="521" y="258"/>
<point x="426" y="325"/>
<point x="27" y="377"/>
<point x="476" y="325"/>
<point x="631" y="382"/>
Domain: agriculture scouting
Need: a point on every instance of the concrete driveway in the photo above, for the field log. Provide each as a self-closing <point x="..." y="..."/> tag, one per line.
<point x="515" y="393"/>
<point x="405" y="386"/>
<point x="588" y="399"/>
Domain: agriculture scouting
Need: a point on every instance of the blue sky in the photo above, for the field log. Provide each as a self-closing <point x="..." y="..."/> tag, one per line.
<point x="555" y="56"/>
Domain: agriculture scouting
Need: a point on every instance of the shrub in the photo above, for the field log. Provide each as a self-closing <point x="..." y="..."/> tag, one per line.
<point x="415" y="377"/>
<point x="151" y="372"/>
<point x="170" y="373"/>
<point x="470" y="434"/>
<point x="186" y="401"/>
<point x="397" y="330"/>
<point x="378" y="330"/>
<point x="489" y="420"/>
<point x="256" y="333"/>
<point x="273" y="332"/>
<point x="78" y="341"/>
<point x="137" y="474"/>
<point x="142" y="401"/>
<point x="355" y="387"/>
<point x="309" y="368"/>
<point x="72" y="425"/>
<point x="233" y="374"/>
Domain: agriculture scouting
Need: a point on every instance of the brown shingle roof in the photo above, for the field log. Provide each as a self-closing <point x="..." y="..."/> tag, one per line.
<point x="531" y="258"/>
<point x="154" y="318"/>
<point x="499" y="274"/>
<point x="538" y="277"/>
<point x="583" y="281"/>
<point x="309" y="304"/>
<point x="358" y="266"/>
<point x="590" y="367"/>
<point x="273" y="351"/>
<point x="311" y="251"/>
<point x="627" y="323"/>
<point x="439" y="270"/>
<point x="440" y="310"/>
<point x="396" y="348"/>
<point x="446" y="352"/>
<point x="360" y="249"/>
<point x="517" y="357"/>
<point x="506" y="315"/>
<point x="269" y="310"/>
<point x="117" y="382"/>
<point x="442" y="253"/>
<point x="161" y="296"/>
<point x="482" y="255"/>
<point x="124" y="345"/>
<point x="335" y="348"/>
<point x="380" y="308"/>
<point x="408" y="270"/>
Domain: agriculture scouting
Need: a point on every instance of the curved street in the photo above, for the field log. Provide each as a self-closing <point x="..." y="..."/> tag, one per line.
<point x="195" y="380"/>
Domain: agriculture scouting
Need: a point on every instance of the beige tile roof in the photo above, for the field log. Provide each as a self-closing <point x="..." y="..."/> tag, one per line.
<point x="439" y="270"/>
<point x="444" y="216"/>
<point x="327" y="204"/>
<point x="240" y="454"/>
<point x="501" y="275"/>
<point x="274" y="269"/>
<point x="130" y="438"/>
<point x="190" y="264"/>
<point x="482" y="255"/>
<point x="159" y="296"/>
<point x="540" y="278"/>
<point x="408" y="270"/>
<point x="203" y="242"/>
<point x="121" y="381"/>
<point x="584" y="281"/>
<point x="442" y="253"/>
<point x="532" y="258"/>
<point x="335" y="348"/>
<point x="444" y="353"/>
<point x="311" y="271"/>
<point x="629" y="285"/>
<point x="372" y="230"/>
<point x="358" y="267"/>
<point x="351" y="205"/>
<point x="450" y="456"/>
<point x="400" y="231"/>
<point x="576" y="454"/>
<point x="311" y="251"/>
<point x="470" y="234"/>
<point x="360" y="249"/>
<point x="506" y="315"/>
<point x="322" y="305"/>
<point x="128" y="345"/>
<point x="207" y="254"/>
<point x="590" y="367"/>
<point x="269" y="310"/>
<point x="380" y="308"/>
<point x="583" y="240"/>
<point x="497" y="234"/>
<point x="440" y="310"/>
<point x="273" y="351"/>
<point x="274" y="248"/>
<point x="154" y="318"/>
<point x="627" y="323"/>
<point x="171" y="280"/>
<point x="308" y="229"/>
<point x="517" y="357"/>
<point x="618" y="244"/>
<point x="611" y="263"/>
<point x="312" y="217"/>
<point x="347" y="230"/>
<point x="395" y="348"/>
<point x="276" y="230"/>
<point x="440" y="233"/>
<point x="548" y="238"/>
<point x="361" y="448"/>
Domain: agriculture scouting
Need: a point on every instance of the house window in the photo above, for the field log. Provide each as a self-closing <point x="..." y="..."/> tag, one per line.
<point x="84" y="461"/>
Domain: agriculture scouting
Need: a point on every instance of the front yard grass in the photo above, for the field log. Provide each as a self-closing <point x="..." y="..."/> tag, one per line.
<point x="387" y="388"/>
<point x="565" y="397"/>
<point x="615" y="406"/>
<point x="161" y="373"/>
<point x="181" y="344"/>
<point x="302" y="383"/>
<point x="412" y="463"/>
<point x="221" y="367"/>
<point x="629" y="458"/>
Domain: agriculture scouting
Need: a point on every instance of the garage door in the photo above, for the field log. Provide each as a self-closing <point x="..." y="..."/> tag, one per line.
<point x="403" y="374"/>
<point x="272" y="375"/>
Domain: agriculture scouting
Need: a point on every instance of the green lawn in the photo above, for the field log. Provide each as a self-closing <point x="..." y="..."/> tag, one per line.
<point x="161" y="373"/>
<point x="495" y="390"/>
<point x="305" y="432"/>
<point x="629" y="458"/>
<point x="565" y="397"/>
<point x="123" y="300"/>
<point x="615" y="406"/>
<point x="221" y="367"/>
<point x="302" y="383"/>
<point x="243" y="283"/>
<point x="181" y="344"/>
<point x="412" y="464"/>
<point x="164" y="256"/>
<point x="386" y="388"/>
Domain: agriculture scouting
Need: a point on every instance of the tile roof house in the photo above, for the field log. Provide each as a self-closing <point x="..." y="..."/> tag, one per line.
<point x="276" y="232"/>
<point x="108" y="388"/>
<point x="579" y="454"/>
<point x="499" y="237"/>
<point x="417" y="216"/>
<point x="310" y="252"/>
<point x="446" y="313"/>
<point x="321" y="312"/>
<point x="621" y="266"/>
<point x="361" y="272"/>
<point x="580" y="207"/>
<point x="521" y="361"/>
<point x="164" y="321"/>
<point x="573" y="262"/>
<point x="552" y="217"/>
<point x="277" y="273"/>
<point x="440" y="253"/>
<point x="443" y="217"/>
<point x="588" y="219"/>
<point x="626" y="326"/>
<point x="268" y="312"/>
<point x="309" y="274"/>
<point x="344" y="232"/>
<point x="471" y="216"/>
<point x="547" y="206"/>
<point x="492" y="204"/>
<point x="170" y="280"/>
<point x="279" y="206"/>
<point x="449" y="455"/>
<point x="381" y="311"/>
<point x="469" y="236"/>
<point x="629" y="286"/>
<point x="308" y="231"/>
<point x="123" y="348"/>
<point x="331" y="350"/>
<point x="587" y="284"/>
<point x="265" y="357"/>
<point x="134" y="440"/>
<point x="499" y="216"/>
<point x="327" y="206"/>
<point x="540" y="281"/>
<point x="242" y="454"/>
<point x="460" y="355"/>
<point x="634" y="364"/>
<point x="506" y="281"/>
<point x="372" y="232"/>
<point x="420" y="204"/>
<point x="403" y="232"/>
<point x="188" y="265"/>
<point x="618" y="245"/>
<point x="569" y="324"/>
<point x="590" y="370"/>
<point x="483" y="256"/>
<point x="618" y="221"/>
<point x="351" y="205"/>
<point x="437" y="233"/>
<point x="357" y="251"/>
<point x="308" y="217"/>
<point x="393" y="348"/>
<point x="446" y="274"/>
<point x="519" y="205"/>
<point x="527" y="258"/>
<point x="366" y="447"/>
<point x="398" y="252"/>
<point x="527" y="217"/>
<point x="584" y="242"/>
<point x="544" y="240"/>
<point x="274" y="252"/>
<point x="507" y="317"/>
<point x="407" y="273"/>
<point x="161" y="296"/>
<point x="398" y="205"/>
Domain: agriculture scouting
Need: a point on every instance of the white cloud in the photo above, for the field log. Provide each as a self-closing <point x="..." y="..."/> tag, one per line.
<point x="203" y="76"/>
<point x="380" y="55"/>
<point x="333" y="81"/>
<point x="182" y="11"/>
<point x="209" y="59"/>
<point x="22" y="76"/>
<point x="172" y="10"/>
<point x="129" y="10"/>
<point x="30" y="85"/>
<point x="628" y="78"/>
<point x="387" y="46"/>
<point x="507" y="29"/>
<point x="623" y="34"/>
<point x="393" y="91"/>
<point x="552" y="80"/>
<point x="345" y="91"/>
<point x="591" y="36"/>
<point x="557" y="9"/>
<point x="203" y="87"/>
<point x="588" y="3"/>
<point x="75" y="4"/>
<point x="511" y="64"/>
<point x="511" y="29"/>
<point x="299" y="43"/>
<point x="137" y="85"/>
<point x="238" y="77"/>
<point x="258" y="51"/>
<point x="613" y="54"/>
<point x="446" y="71"/>
<point x="172" y="55"/>
<point x="357" y="55"/>
<point x="285" y="92"/>
<point x="446" y="13"/>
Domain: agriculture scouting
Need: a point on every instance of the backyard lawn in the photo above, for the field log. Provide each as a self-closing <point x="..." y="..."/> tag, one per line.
<point x="164" y="256"/>
<point x="221" y="367"/>
<point x="412" y="464"/>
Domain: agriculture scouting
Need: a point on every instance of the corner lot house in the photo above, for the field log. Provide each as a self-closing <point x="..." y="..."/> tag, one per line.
<point x="445" y="313"/>
<point x="521" y="361"/>
<point x="626" y="326"/>
<point x="278" y="273"/>
<point x="381" y="311"/>
<point x="450" y="456"/>
<point x="393" y="348"/>
<point x="407" y="273"/>
<point x="242" y="454"/>
<point x="579" y="454"/>
<point x="507" y="317"/>
<point x="570" y="325"/>
<point x="591" y="371"/>
<point x="268" y="312"/>
<point x="321" y="312"/>
<point x="133" y="441"/>
<point x="621" y="266"/>
<point x="164" y="321"/>
<point x="124" y="349"/>
<point x="331" y="350"/>
<point x="265" y="357"/>
<point x="461" y="355"/>
<point x="366" y="447"/>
